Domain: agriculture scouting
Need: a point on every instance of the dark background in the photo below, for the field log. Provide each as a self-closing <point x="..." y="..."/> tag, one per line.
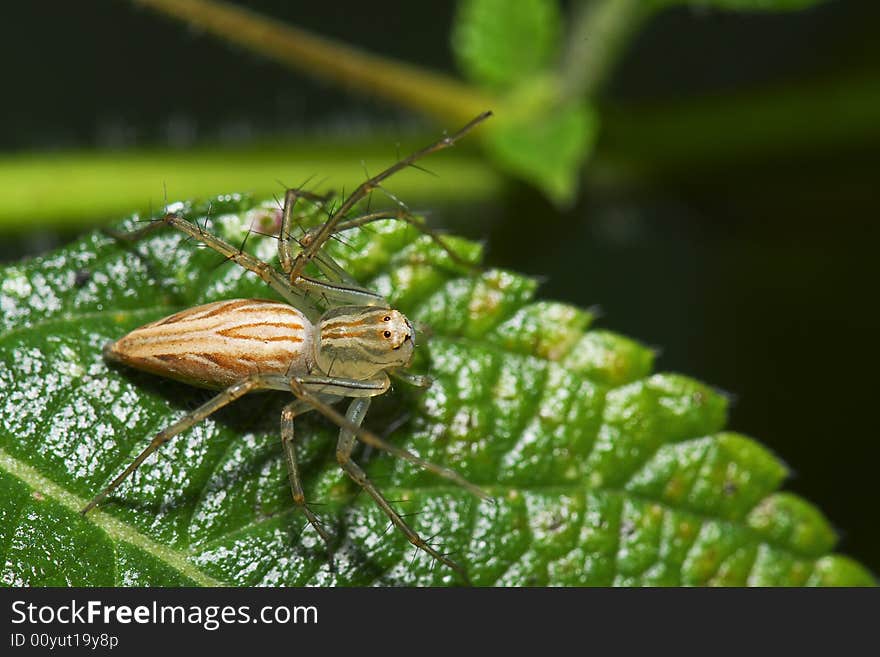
<point x="758" y="276"/>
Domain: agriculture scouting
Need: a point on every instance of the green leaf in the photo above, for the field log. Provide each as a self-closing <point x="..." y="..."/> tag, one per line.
<point x="743" y="5"/>
<point x="546" y="149"/>
<point x="602" y="472"/>
<point x="499" y="43"/>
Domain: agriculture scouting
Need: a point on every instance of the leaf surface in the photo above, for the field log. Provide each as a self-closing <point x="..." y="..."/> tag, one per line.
<point x="602" y="472"/>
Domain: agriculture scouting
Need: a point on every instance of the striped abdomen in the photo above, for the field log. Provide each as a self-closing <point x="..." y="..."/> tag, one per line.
<point x="220" y="343"/>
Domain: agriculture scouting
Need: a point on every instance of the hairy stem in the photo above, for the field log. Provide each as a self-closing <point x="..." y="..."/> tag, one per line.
<point x="437" y="95"/>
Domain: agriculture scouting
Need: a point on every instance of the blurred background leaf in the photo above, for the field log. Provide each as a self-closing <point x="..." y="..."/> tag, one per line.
<point x="499" y="44"/>
<point x="547" y="150"/>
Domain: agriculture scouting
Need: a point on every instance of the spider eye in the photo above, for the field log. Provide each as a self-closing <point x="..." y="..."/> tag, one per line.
<point x="387" y="334"/>
<point x="387" y="318"/>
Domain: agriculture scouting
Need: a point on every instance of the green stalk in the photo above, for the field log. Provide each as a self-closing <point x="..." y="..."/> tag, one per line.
<point x="601" y="30"/>
<point x="688" y="139"/>
<point x="79" y="188"/>
<point x="434" y="94"/>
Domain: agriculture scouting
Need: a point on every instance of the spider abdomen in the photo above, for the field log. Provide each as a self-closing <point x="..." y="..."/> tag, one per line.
<point x="218" y="344"/>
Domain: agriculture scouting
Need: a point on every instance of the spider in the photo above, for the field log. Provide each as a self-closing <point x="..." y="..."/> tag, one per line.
<point x="240" y="346"/>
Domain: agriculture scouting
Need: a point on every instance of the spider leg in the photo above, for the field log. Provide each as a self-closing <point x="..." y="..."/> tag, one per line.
<point x="285" y="249"/>
<point x="402" y="214"/>
<point x="342" y="289"/>
<point x="291" y="411"/>
<point x="275" y="280"/>
<point x="357" y="410"/>
<point x="227" y="396"/>
<point x="416" y="380"/>
<point x="330" y="226"/>
<point x="134" y="235"/>
<point x="341" y="294"/>
<point x="302" y="388"/>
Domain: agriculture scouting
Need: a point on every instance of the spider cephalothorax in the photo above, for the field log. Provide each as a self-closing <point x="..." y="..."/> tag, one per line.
<point x="359" y="342"/>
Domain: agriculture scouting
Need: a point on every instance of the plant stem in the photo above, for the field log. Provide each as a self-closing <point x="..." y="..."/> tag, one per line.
<point x="80" y="188"/>
<point x="600" y="31"/>
<point x="437" y="95"/>
<point x="688" y="139"/>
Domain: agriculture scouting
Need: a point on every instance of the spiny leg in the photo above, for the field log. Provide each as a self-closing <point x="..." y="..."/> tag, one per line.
<point x="285" y="249"/>
<point x="134" y="235"/>
<point x="327" y="265"/>
<point x="357" y="410"/>
<point x="217" y="402"/>
<point x="299" y="385"/>
<point x="264" y="270"/>
<point x="422" y="381"/>
<point x="330" y="226"/>
<point x="340" y="288"/>
<point x="340" y="294"/>
<point x="399" y="214"/>
<point x="291" y="411"/>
